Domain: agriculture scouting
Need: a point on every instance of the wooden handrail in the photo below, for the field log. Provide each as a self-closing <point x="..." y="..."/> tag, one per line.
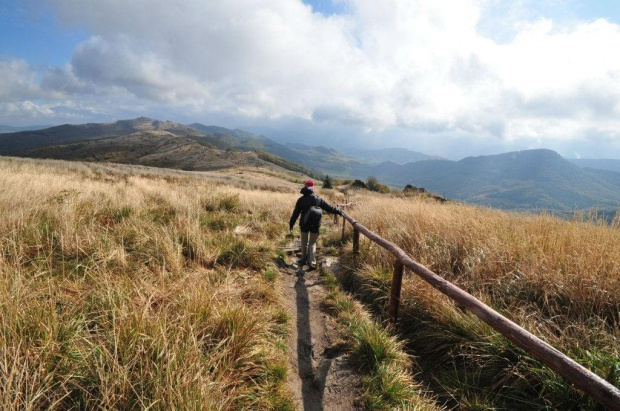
<point x="598" y="388"/>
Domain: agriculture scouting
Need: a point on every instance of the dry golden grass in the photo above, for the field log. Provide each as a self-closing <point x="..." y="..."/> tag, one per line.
<point x="128" y="287"/>
<point x="536" y="267"/>
<point x="559" y="279"/>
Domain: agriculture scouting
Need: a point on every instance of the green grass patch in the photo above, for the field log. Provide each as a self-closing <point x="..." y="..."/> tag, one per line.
<point x="387" y="383"/>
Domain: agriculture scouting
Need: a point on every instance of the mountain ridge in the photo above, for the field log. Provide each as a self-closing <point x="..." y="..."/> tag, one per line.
<point x="11" y="143"/>
<point x="397" y="155"/>
<point x="529" y="179"/>
<point x="155" y="148"/>
<point x="520" y="180"/>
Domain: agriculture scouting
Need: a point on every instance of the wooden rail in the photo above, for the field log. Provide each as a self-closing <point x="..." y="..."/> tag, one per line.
<point x="344" y="206"/>
<point x="598" y="388"/>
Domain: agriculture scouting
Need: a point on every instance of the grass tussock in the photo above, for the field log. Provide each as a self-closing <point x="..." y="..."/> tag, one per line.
<point x="559" y="279"/>
<point x="387" y="382"/>
<point x="124" y="288"/>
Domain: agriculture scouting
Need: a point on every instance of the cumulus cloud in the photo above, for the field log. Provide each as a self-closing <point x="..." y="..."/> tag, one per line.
<point x="19" y="81"/>
<point x="24" y="112"/>
<point x="64" y="80"/>
<point x="417" y="65"/>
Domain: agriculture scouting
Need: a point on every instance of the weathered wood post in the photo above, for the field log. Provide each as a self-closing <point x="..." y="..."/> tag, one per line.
<point x="397" y="281"/>
<point x="356" y="241"/>
<point x="344" y="225"/>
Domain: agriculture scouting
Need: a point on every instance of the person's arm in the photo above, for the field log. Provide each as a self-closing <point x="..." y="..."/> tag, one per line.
<point x="325" y="206"/>
<point x="296" y="213"/>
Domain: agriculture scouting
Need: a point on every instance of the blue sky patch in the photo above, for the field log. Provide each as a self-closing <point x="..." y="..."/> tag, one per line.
<point x="327" y="7"/>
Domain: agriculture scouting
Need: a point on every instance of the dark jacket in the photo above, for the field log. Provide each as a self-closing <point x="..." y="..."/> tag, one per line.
<point x="303" y="205"/>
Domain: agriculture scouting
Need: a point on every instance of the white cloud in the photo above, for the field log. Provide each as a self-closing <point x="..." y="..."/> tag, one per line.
<point x="18" y="82"/>
<point x="28" y="111"/>
<point x="421" y="65"/>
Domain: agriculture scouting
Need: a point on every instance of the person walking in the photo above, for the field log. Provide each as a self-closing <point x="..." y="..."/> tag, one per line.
<point x="310" y="207"/>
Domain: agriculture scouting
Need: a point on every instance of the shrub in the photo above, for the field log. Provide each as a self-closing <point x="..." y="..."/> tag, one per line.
<point x="374" y="185"/>
<point x="327" y="182"/>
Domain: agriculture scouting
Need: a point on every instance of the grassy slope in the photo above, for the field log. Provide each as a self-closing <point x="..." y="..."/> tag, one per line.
<point x="162" y="278"/>
<point x="319" y="159"/>
<point x="151" y="148"/>
<point x="224" y="139"/>
<point x="126" y="287"/>
<point x="11" y="143"/>
<point x="558" y="279"/>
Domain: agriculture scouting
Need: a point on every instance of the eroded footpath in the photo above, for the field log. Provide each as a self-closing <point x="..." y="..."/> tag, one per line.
<point x="321" y="376"/>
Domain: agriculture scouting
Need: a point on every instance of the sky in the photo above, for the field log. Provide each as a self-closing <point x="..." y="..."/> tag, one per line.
<point x="445" y="77"/>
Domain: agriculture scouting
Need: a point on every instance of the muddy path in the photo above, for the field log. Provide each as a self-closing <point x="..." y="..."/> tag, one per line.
<point x="321" y="376"/>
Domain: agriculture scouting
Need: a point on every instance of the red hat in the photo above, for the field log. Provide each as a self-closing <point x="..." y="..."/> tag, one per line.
<point x="309" y="183"/>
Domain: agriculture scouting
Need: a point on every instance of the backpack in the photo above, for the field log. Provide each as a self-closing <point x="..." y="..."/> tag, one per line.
<point x="312" y="218"/>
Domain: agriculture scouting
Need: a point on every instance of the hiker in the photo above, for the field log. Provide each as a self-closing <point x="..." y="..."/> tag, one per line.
<point x="310" y="207"/>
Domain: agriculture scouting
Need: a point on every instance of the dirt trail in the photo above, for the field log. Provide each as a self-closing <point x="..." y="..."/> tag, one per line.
<point x="320" y="374"/>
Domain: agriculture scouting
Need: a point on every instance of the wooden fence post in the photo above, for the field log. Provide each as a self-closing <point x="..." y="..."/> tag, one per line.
<point x="344" y="224"/>
<point x="356" y="241"/>
<point x="397" y="281"/>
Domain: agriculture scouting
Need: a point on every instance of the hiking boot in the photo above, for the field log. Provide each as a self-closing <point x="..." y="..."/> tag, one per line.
<point x="312" y="266"/>
<point x="302" y="261"/>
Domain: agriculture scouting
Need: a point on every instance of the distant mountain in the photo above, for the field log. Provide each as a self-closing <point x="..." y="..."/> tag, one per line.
<point x="321" y="159"/>
<point x="148" y="142"/>
<point x="11" y="143"/>
<point x="600" y="164"/>
<point x="9" y="129"/>
<point x="524" y="180"/>
<point x="331" y="162"/>
<point x="227" y="139"/>
<point x="155" y="148"/>
<point x="396" y="155"/>
<point x="239" y="134"/>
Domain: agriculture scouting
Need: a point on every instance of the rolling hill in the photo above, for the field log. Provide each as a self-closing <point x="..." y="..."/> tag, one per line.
<point x="227" y="139"/>
<point x="332" y="162"/>
<point x="397" y="155"/>
<point x="151" y="148"/>
<point x="524" y="180"/>
<point x="322" y="160"/>
<point x="11" y="143"/>
<point x="151" y="142"/>
<point x="314" y="161"/>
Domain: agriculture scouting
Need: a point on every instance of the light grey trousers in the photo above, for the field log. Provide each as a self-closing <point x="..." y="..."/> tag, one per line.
<point x="308" y="246"/>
